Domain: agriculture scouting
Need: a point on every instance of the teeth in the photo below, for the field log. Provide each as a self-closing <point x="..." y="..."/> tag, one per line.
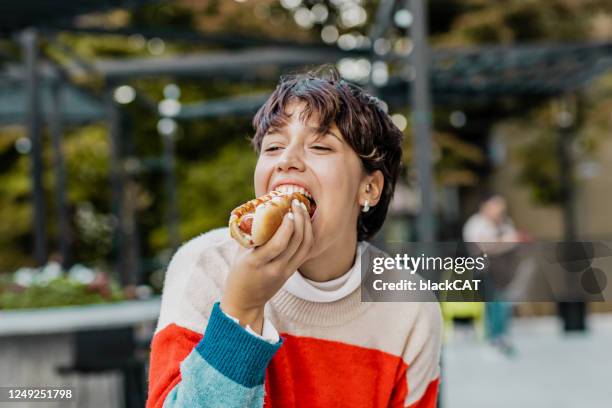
<point x="288" y="189"/>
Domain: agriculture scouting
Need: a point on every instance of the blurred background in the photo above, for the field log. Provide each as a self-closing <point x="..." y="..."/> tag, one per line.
<point x="124" y="129"/>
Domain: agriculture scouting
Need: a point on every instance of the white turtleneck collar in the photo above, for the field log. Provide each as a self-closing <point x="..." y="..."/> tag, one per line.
<point x="328" y="291"/>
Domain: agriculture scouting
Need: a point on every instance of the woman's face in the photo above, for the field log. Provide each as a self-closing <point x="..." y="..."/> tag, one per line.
<point x="325" y="165"/>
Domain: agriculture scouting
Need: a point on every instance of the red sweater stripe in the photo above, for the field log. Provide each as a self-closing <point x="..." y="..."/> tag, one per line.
<point x="305" y="372"/>
<point x="311" y="372"/>
<point x="430" y="397"/>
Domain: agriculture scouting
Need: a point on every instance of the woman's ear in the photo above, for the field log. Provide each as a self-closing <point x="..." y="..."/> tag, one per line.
<point x="371" y="188"/>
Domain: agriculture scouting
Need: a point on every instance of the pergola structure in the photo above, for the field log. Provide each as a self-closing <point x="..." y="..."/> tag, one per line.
<point x="449" y="77"/>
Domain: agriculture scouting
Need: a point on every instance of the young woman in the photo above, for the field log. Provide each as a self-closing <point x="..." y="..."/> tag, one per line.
<point x="217" y="343"/>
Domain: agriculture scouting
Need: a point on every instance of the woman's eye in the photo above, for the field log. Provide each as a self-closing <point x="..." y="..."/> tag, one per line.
<point x="322" y="148"/>
<point x="271" y="148"/>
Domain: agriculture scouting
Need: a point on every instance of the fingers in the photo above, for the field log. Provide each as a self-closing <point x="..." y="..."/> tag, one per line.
<point x="300" y="241"/>
<point x="298" y="231"/>
<point x="291" y="243"/>
<point x="279" y="241"/>
<point x="306" y="244"/>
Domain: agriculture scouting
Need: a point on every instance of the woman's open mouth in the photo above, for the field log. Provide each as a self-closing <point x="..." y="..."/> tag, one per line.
<point x="292" y="188"/>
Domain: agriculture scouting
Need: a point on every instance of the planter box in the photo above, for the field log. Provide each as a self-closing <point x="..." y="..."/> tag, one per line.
<point x="35" y="342"/>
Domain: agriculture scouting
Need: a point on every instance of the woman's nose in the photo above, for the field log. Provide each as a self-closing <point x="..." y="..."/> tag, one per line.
<point x="291" y="159"/>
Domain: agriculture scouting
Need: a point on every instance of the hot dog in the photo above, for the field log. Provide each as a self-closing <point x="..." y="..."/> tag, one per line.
<point x="255" y="222"/>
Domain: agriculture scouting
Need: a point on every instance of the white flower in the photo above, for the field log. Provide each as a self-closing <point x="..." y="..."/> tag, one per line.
<point x="24" y="276"/>
<point x="82" y="274"/>
<point x="49" y="272"/>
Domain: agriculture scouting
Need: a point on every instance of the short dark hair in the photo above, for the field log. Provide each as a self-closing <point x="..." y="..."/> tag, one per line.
<point x="486" y="196"/>
<point x="361" y="118"/>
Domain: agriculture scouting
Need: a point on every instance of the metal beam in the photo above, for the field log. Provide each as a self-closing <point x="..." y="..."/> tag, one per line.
<point x="254" y="62"/>
<point x="30" y="53"/>
<point x="422" y="122"/>
<point x="382" y="19"/>
<point x="238" y="105"/>
<point x="56" y="130"/>
<point x="117" y="184"/>
<point x="573" y="314"/>
<point x="28" y="13"/>
<point x="225" y="39"/>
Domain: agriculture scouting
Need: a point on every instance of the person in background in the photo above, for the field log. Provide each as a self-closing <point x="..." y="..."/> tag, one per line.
<point x="493" y="230"/>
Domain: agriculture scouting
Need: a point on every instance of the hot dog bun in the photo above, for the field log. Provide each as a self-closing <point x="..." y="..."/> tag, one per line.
<point x="269" y="211"/>
<point x="235" y="232"/>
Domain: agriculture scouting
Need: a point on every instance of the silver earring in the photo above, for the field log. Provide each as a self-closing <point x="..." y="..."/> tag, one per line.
<point x="366" y="207"/>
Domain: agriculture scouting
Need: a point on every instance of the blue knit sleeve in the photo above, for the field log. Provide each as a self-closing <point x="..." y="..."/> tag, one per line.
<point x="226" y="369"/>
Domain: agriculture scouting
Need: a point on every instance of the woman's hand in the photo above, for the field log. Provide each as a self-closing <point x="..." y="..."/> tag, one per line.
<point x="257" y="274"/>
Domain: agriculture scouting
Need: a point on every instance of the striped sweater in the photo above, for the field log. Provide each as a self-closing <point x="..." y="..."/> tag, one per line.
<point x="343" y="353"/>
